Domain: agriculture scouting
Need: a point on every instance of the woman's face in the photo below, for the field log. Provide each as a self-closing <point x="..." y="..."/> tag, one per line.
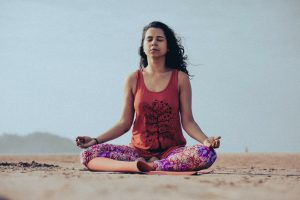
<point x="155" y="43"/>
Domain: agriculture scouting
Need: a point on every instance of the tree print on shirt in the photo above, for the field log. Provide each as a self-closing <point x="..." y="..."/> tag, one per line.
<point x="160" y="124"/>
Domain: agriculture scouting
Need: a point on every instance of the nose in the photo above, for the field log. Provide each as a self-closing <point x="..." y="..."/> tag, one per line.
<point x="154" y="42"/>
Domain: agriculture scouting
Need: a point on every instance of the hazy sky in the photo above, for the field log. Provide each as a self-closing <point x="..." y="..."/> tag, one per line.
<point x="63" y="64"/>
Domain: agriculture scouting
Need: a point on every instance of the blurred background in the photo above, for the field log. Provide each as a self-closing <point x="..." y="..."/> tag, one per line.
<point x="63" y="64"/>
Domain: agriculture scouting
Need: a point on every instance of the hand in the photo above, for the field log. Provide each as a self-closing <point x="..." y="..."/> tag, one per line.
<point x="85" y="141"/>
<point x="213" y="142"/>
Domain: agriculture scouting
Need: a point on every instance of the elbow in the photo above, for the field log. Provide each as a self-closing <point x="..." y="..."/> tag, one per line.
<point x="126" y="129"/>
<point x="125" y="125"/>
<point x="186" y="121"/>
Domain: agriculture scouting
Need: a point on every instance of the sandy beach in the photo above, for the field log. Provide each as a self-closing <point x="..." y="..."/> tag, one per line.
<point x="235" y="176"/>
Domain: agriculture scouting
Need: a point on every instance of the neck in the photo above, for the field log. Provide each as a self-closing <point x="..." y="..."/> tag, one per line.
<point x="156" y="65"/>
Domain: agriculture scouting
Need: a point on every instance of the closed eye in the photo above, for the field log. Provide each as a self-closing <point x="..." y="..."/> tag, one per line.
<point x="158" y="38"/>
<point x="149" y="39"/>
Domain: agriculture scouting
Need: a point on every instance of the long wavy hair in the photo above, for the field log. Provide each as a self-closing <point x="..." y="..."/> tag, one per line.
<point x="175" y="57"/>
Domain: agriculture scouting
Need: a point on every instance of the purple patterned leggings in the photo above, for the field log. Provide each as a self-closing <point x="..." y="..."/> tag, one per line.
<point x="196" y="157"/>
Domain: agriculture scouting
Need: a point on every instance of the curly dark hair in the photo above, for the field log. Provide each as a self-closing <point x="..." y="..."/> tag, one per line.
<point x="175" y="57"/>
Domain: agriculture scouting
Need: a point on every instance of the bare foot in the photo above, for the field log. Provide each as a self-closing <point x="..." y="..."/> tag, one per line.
<point x="151" y="164"/>
<point x="153" y="159"/>
<point x="141" y="159"/>
<point x="144" y="166"/>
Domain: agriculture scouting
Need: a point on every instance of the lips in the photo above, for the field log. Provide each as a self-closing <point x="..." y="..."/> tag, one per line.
<point x="154" y="50"/>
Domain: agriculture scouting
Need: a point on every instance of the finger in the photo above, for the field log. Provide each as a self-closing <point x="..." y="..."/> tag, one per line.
<point x="217" y="144"/>
<point x="83" y="146"/>
<point x="214" y="143"/>
<point x="78" y="140"/>
<point x="217" y="138"/>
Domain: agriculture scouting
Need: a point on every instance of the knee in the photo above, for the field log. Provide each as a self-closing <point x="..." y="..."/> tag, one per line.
<point x="207" y="155"/>
<point x="88" y="154"/>
<point x="85" y="156"/>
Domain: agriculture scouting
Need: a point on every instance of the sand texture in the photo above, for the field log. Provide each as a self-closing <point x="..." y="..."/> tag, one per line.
<point x="234" y="176"/>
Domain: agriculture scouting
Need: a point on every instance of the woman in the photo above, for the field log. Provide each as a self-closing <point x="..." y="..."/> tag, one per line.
<point x="159" y="96"/>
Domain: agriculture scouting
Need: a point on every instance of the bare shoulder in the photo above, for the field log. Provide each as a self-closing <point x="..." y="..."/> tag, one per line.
<point x="131" y="81"/>
<point x="183" y="76"/>
<point x="132" y="77"/>
<point x="183" y="79"/>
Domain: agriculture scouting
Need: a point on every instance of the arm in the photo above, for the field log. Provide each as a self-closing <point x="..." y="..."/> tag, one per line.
<point x="124" y="123"/>
<point x="187" y="119"/>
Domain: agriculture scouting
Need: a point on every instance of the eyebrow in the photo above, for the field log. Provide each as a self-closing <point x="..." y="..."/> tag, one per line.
<point x="156" y="36"/>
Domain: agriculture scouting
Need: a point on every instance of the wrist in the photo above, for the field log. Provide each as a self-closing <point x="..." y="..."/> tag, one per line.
<point x="205" y="139"/>
<point x="96" y="140"/>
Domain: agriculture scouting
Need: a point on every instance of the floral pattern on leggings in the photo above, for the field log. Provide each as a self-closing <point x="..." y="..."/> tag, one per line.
<point x="182" y="159"/>
<point x="196" y="157"/>
<point x="116" y="152"/>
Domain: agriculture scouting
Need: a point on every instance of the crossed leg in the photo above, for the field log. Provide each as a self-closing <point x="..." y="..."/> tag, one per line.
<point x="192" y="158"/>
<point x="108" y="157"/>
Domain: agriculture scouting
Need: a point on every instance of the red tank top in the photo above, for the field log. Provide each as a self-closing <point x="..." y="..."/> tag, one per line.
<point x="157" y="126"/>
